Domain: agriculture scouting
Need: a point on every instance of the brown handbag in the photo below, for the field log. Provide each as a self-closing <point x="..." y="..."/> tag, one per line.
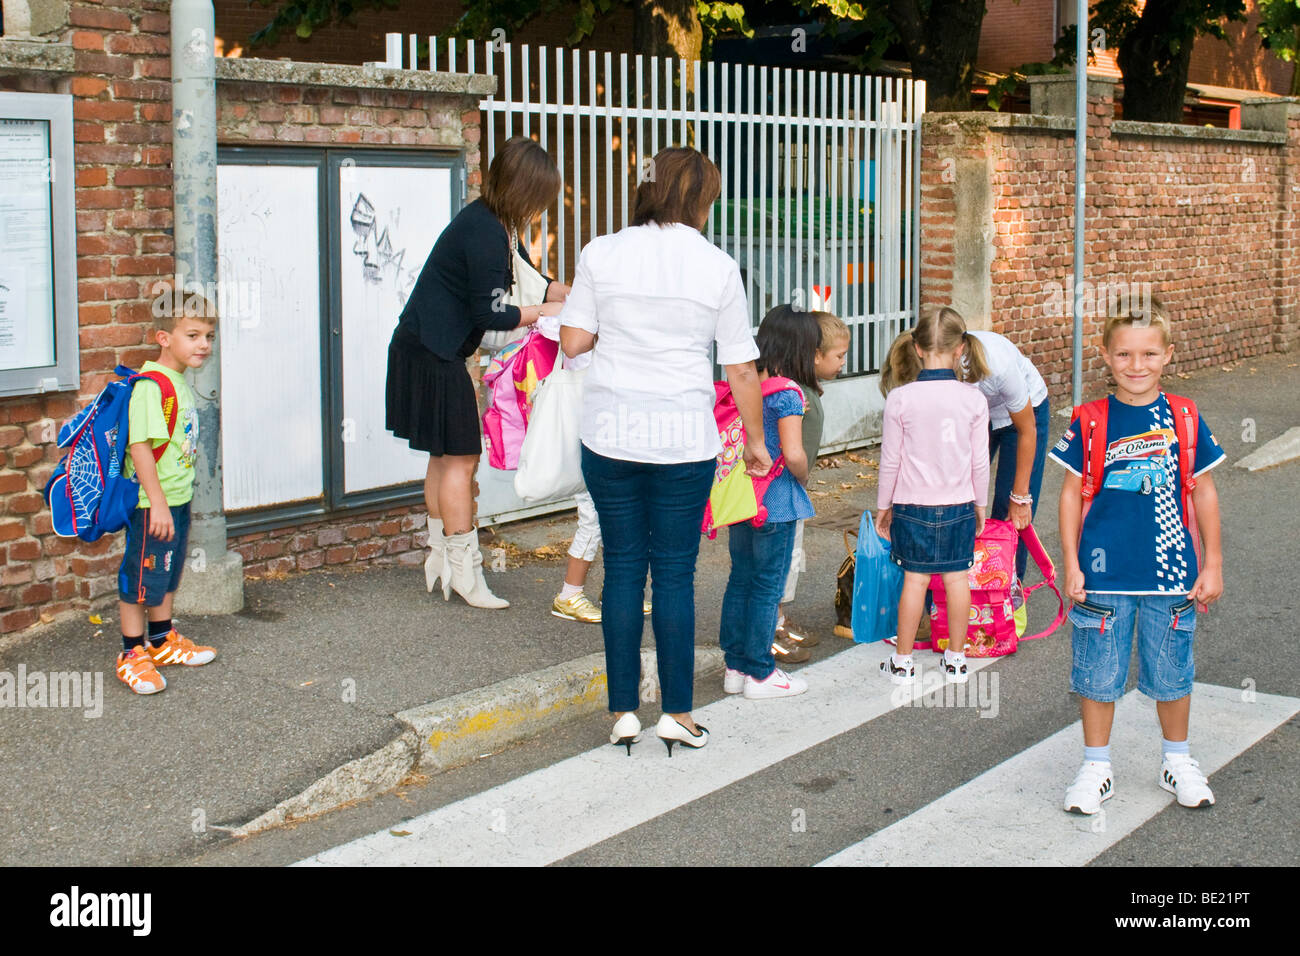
<point x="844" y="590"/>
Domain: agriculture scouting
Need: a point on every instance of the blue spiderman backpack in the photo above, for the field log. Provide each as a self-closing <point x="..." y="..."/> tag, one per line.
<point x="88" y="495"/>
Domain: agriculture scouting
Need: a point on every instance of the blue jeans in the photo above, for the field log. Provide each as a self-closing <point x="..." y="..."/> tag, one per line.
<point x="760" y="561"/>
<point x="1003" y="444"/>
<point x="650" y="517"/>
<point x="1104" y="628"/>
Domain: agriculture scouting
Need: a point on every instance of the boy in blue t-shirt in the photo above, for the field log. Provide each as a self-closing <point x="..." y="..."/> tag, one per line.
<point x="1130" y="564"/>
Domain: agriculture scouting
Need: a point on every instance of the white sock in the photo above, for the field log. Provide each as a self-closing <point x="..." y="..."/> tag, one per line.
<point x="954" y="657"/>
<point x="569" y="591"/>
<point x="900" y="659"/>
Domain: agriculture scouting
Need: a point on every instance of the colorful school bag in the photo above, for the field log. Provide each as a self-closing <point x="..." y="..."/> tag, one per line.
<point x="735" y="496"/>
<point x="992" y="628"/>
<point x="88" y="495"/>
<point x="1092" y="417"/>
<point x="511" y="378"/>
<point x="877" y="586"/>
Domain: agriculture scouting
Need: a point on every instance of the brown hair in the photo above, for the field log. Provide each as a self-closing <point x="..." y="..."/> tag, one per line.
<point x="680" y="186"/>
<point x="1152" y="315"/>
<point x="521" y="182"/>
<point x="172" y="303"/>
<point x="939" y="329"/>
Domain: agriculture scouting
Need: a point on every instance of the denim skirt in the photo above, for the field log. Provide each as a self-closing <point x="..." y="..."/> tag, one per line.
<point x="933" y="539"/>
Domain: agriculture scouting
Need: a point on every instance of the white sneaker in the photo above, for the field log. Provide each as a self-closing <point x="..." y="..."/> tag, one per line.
<point x="1181" y="776"/>
<point x="899" y="675"/>
<point x="733" y="682"/>
<point x="776" y="684"/>
<point x="954" y="668"/>
<point x="1093" y="784"/>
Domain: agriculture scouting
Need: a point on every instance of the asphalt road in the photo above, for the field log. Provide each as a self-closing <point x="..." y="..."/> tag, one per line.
<point x="861" y="781"/>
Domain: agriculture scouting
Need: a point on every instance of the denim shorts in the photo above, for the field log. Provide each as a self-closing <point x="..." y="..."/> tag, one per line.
<point x="1103" y="643"/>
<point x="151" y="569"/>
<point x="933" y="539"/>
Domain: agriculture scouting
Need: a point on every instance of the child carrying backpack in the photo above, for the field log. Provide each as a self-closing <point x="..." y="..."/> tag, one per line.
<point x="760" y="548"/>
<point x="152" y="416"/>
<point x="1135" y="501"/>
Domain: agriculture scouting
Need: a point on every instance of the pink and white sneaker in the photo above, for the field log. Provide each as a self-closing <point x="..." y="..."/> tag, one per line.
<point x="776" y="684"/>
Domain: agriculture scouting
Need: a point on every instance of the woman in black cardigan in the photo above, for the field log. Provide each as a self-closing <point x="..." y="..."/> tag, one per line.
<point x="430" y="396"/>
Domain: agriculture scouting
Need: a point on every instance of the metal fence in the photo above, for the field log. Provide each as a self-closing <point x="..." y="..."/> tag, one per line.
<point x="820" y="170"/>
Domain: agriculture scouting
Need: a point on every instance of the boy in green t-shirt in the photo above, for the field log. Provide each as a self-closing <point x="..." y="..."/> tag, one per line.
<point x="157" y="532"/>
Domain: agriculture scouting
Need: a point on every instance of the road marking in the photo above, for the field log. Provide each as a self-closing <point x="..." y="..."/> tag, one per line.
<point x="1011" y="815"/>
<point x="558" y="810"/>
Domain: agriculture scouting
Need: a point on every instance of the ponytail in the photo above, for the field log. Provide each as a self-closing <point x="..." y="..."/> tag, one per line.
<point x="974" y="364"/>
<point x="902" y="364"/>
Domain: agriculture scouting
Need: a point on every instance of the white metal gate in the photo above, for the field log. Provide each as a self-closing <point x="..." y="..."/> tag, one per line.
<point x="820" y="178"/>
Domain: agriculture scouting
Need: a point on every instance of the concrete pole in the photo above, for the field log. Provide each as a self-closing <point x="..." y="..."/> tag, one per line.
<point x="1080" y="160"/>
<point x="214" y="577"/>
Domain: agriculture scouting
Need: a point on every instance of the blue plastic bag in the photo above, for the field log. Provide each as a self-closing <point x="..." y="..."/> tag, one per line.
<point x="877" y="586"/>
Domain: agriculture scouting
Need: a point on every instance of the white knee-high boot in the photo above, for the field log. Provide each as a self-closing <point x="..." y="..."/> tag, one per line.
<point x="465" y="561"/>
<point x="435" y="565"/>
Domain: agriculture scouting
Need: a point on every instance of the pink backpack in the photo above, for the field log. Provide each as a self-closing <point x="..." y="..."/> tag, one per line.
<point x="511" y="378"/>
<point x="992" y="630"/>
<point x="732" y="434"/>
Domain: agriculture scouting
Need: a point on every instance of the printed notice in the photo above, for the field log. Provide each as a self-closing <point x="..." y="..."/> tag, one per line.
<point x="26" y="236"/>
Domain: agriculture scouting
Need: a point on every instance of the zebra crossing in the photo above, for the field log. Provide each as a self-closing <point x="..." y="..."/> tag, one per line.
<point x="559" y="810"/>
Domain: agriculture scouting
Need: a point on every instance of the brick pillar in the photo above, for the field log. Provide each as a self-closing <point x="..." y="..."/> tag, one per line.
<point x="1282" y="115"/>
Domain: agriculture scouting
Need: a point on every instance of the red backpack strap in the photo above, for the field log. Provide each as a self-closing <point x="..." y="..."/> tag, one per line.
<point x="1186" y="420"/>
<point x="169" y="407"/>
<point x="1091" y="418"/>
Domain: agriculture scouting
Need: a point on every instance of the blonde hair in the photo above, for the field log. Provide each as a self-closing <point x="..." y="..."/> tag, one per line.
<point x="833" y="330"/>
<point x="940" y="329"/>
<point x="1153" y="315"/>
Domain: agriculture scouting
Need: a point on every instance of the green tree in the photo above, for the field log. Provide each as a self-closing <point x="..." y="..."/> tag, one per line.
<point x="1280" y="29"/>
<point x="940" y="37"/>
<point x="1154" y="48"/>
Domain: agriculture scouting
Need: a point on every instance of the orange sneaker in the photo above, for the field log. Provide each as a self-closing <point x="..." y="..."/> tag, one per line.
<point x="180" y="650"/>
<point x="136" y="669"/>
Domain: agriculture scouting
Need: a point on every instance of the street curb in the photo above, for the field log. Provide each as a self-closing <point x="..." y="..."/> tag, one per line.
<point x="449" y="733"/>
<point x="1284" y="448"/>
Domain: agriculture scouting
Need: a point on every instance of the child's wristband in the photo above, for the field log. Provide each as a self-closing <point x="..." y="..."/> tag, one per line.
<point x="1022" y="499"/>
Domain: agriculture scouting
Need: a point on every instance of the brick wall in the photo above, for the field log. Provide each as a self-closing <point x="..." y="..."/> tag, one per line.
<point x="1210" y="223"/>
<point x="122" y="134"/>
<point x="392" y="536"/>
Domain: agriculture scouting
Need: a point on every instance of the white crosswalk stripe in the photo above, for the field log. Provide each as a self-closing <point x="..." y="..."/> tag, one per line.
<point x="564" y="808"/>
<point x="1012" y="816"/>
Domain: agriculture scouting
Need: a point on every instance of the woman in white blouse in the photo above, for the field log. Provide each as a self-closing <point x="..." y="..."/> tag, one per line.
<point x="651" y="301"/>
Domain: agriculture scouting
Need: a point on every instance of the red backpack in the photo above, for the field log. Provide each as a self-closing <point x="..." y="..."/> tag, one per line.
<point x="1092" y="419"/>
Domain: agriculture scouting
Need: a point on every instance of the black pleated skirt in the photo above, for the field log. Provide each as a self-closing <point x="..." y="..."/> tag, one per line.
<point x="430" y="402"/>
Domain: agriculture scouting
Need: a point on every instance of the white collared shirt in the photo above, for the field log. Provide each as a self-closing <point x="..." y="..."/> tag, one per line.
<point x="659" y="298"/>
<point x="1012" y="383"/>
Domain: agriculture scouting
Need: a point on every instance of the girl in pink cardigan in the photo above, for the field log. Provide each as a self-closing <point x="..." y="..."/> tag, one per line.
<point x="934" y="476"/>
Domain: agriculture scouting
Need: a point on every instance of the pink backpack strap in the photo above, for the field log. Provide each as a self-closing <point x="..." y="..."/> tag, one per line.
<point x="1029" y="537"/>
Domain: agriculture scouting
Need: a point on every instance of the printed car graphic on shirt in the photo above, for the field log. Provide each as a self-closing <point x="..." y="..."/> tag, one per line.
<point x="1141" y="476"/>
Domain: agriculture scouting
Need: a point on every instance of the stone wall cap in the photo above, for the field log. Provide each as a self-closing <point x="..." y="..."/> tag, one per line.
<point x="241" y="70"/>
<point x="1069" y="78"/>
<point x="33" y="56"/>
<point x="1271" y="101"/>
<point x="1184" y="131"/>
<point x="1028" y="122"/>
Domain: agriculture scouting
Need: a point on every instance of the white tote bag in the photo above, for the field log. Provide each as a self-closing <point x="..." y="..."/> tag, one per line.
<point x="529" y="289"/>
<point x="550" y="461"/>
